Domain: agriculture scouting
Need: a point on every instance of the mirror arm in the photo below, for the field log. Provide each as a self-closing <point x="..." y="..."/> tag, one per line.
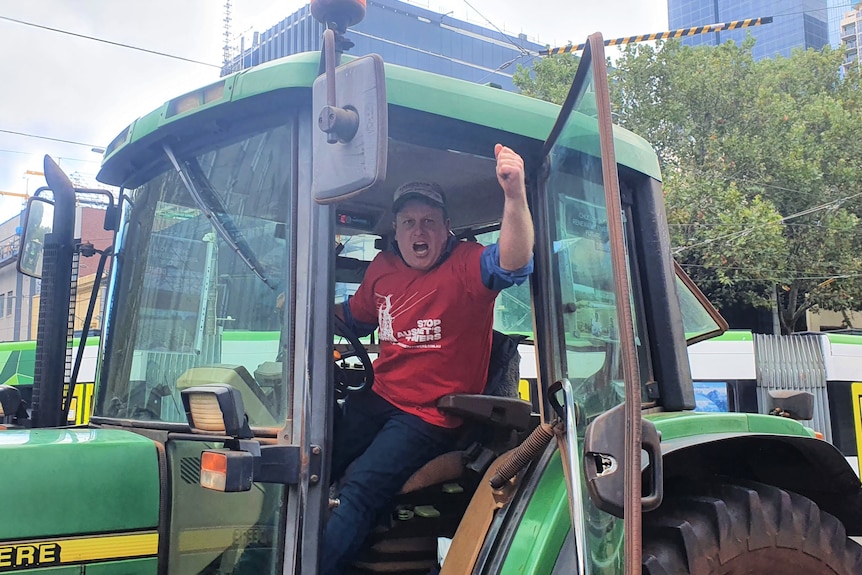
<point x="340" y="124"/>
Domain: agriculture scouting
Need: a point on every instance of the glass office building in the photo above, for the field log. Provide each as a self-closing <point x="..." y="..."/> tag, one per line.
<point x="407" y="35"/>
<point x="797" y="23"/>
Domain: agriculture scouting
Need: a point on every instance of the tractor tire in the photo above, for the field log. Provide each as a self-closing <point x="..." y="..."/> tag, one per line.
<point x="737" y="527"/>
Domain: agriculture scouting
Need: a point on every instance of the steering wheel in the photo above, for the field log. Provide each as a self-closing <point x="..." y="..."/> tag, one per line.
<point x="342" y="386"/>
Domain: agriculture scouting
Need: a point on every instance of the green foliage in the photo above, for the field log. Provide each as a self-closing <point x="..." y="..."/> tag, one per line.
<point x="549" y="78"/>
<point x="761" y="162"/>
<point x="729" y="243"/>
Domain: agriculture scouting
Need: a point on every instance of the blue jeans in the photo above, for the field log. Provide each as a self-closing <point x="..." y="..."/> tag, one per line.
<point x="388" y="446"/>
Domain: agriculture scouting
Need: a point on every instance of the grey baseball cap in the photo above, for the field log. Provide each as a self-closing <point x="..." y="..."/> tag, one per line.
<point x="426" y="191"/>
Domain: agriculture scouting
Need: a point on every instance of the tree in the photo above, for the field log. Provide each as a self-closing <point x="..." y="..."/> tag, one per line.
<point x="549" y="79"/>
<point x="762" y="173"/>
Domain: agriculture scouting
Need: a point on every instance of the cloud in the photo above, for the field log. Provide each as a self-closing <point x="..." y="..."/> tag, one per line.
<point x="72" y="88"/>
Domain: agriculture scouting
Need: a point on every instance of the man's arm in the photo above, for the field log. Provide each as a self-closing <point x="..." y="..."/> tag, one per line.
<point x="516" y="231"/>
<point x="344" y="313"/>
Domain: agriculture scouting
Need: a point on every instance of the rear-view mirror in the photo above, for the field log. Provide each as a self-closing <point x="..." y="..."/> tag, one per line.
<point x="38" y="223"/>
<point x="351" y="139"/>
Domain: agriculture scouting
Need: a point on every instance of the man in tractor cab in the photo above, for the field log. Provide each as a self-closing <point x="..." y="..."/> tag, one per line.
<point x="432" y="299"/>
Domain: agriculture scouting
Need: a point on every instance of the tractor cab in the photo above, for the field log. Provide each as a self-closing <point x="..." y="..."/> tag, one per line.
<point x="250" y="208"/>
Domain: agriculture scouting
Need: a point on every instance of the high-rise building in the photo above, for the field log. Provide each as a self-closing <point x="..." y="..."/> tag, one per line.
<point x="796" y="24"/>
<point x="407" y="35"/>
<point x="835" y="10"/>
<point x="851" y="35"/>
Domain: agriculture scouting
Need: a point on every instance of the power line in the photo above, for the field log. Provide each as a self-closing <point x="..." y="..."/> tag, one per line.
<point x="739" y="234"/>
<point x="785" y="273"/>
<point x="429" y="53"/>
<point x="41" y="154"/>
<point x="758" y="269"/>
<point x="501" y="67"/>
<point x="520" y="48"/>
<point x="110" y="42"/>
<point x="48" y="137"/>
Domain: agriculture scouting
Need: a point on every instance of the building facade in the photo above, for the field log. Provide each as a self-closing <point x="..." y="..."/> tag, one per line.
<point x="851" y="36"/>
<point x="797" y="23"/>
<point x="19" y="294"/>
<point x="16" y="291"/>
<point x="406" y="35"/>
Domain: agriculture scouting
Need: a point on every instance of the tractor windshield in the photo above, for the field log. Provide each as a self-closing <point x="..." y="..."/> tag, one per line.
<point x="201" y="282"/>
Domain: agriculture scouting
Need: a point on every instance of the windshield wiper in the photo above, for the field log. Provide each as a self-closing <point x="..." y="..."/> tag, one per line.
<point x="210" y="204"/>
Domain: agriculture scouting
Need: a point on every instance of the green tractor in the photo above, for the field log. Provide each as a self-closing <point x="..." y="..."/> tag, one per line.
<point x="248" y="209"/>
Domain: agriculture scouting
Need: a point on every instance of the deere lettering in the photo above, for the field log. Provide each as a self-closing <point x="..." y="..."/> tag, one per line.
<point x="29" y="555"/>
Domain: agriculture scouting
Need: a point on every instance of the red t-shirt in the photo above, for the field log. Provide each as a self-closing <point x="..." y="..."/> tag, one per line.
<point x="434" y="326"/>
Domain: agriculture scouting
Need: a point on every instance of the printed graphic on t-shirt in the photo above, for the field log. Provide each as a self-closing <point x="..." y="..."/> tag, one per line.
<point x="427" y="332"/>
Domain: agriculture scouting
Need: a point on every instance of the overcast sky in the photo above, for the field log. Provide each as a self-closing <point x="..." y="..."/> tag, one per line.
<point x="64" y="87"/>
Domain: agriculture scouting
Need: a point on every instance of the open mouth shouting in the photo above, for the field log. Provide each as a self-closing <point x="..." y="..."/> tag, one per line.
<point x="420" y="249"/>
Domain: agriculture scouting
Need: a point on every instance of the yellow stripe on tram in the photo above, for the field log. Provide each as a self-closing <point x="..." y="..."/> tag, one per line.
<point x="856" y="394"/>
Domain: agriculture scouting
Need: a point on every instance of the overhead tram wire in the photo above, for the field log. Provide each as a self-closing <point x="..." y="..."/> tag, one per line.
<point x="747" y="231"/>
<point x="26" y="135"/>
<point x="429" y="53"/>
<point x="110" y="42"/>
<point x="678" y="33"/>
<point x="524" y="51"/>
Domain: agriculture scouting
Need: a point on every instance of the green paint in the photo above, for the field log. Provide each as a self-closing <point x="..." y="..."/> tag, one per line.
<point x="734" y="335"/>
<point x="689" y="424"/>
<point x="72" y="481"/>
<point x="844" y="338"/>
<point x="64" y="570"/>
<point x="18" y="360"/>
<point x="148" y="566"/>
<point x="18" y="366"/>
<point x="250" y="336"/>
<point x="544" y="526"/>
<point x="415" y="89"/>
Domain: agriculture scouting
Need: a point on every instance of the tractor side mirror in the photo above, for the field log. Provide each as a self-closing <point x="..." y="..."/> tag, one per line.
<point x="351" y="141"/>
<point x="38" y="223"/>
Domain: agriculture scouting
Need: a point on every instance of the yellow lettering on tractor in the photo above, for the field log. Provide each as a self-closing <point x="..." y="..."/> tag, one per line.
<point x="25" y="555"/>
<point x="49" y="553"/>
<point x="29" y="555"/>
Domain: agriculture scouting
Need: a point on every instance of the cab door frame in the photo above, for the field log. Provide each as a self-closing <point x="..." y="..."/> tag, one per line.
<point x="551" y="311"/>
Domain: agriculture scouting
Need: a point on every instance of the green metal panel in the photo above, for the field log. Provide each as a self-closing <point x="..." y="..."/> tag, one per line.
<point x="689" y="424"/>
<point x="63" y="570"/>
<point x="415" y="89"/>
<point x="72" y="481"/>
<point x="544" y="526"/>
<point x="148" y="566"/>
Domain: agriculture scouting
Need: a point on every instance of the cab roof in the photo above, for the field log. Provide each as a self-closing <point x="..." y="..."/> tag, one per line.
<point x="408" y="88"/>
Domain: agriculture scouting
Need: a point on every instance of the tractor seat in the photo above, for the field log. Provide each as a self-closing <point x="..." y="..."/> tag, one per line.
<point x="498" y="411"/>
<point x="406" y="542"/>
<point x="503" y="413"/>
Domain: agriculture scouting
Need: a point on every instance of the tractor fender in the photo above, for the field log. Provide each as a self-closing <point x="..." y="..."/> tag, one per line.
<point x="804" y="465"/>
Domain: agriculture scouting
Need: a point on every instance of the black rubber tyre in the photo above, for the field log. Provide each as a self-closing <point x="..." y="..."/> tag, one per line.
<point x="736" y="528"/>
